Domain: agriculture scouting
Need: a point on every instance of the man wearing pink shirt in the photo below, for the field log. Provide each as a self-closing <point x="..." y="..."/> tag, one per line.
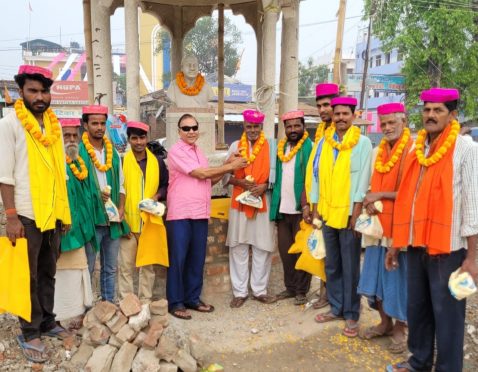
<point x="189" y="200"/>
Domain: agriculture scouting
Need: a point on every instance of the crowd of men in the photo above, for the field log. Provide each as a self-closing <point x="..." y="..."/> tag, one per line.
<point x="57" y="187"/>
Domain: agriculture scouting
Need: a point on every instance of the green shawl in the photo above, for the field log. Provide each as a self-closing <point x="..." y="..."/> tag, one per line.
<point x="82" y="226"/>
<point x="301" y="159"/>
<point x="117" y="229"/>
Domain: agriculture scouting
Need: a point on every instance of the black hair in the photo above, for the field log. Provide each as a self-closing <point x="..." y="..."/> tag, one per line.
<point x="135" y="131"/>
<point x="84" y="117"/>
<point x="302" y="120"/>
<point x="352" y="107"/>
<point x="186" y="116"/>
<point x="450" y="105"/>
<point x="20" y="79"/>
<point x="330" y="96"/>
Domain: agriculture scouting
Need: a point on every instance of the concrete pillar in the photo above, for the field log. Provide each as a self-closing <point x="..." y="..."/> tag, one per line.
<point x="132" y="58"/>
<point x="258" y="30"/>
<point x="176" y="42"/>
<point x="102" y="64"/>
<point x="267" y="98"/>
<point x="289" y="69"/>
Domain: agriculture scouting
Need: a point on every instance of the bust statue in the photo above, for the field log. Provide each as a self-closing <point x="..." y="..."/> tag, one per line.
<point x="190" y="89"/>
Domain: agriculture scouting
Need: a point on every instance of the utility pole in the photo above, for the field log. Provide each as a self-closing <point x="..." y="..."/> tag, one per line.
<point x="339" y="41"/>
<point x="220" y="76"/>
<point x="365" y="65"/>
<point x="89" y="50"/>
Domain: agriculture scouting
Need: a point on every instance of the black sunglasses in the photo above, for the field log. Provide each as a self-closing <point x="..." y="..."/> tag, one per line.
<point x="188" y="129"/>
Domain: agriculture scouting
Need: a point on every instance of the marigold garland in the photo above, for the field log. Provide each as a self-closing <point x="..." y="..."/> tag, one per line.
<point x="189" y="90"/>
<point x="244" y="147"/>
<point x="329" y="137"/>
<point x="34" y="128"/>
<point x="81" y="175"/>
<point x="293" y="151"/>
<point x="91" y="151"/>
<point x="387" y="167"/>
<point x="319" y="133"/>
<point x="441" y="151"/>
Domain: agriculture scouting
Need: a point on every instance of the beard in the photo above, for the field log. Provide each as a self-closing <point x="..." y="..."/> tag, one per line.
<point x="71" y="150"/>
<point x="32" y="109"/>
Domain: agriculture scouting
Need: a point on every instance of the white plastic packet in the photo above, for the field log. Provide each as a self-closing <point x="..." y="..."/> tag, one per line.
<point x="315" y="242"/>
<point x="461" y="285"/>
<point x="247" y="198"/>
<point x="111" y="210"/>
<point x="153" y="207"/>
<point x="370" y="225"/>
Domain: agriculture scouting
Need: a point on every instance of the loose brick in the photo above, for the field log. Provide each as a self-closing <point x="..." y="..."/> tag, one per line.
<point x="168" y="367"/>
<point x="141" y="320"/>
<point x="101" y="359"/>
<point x="99" y="334"/>
<point x="162" y="320"/>
<point x="116" y="322"/>
<point x="159" y="307"/>
<point x="138" y="341"/>
<point x="104" y="311"/>
<point x="126" y="333"/>
<point x="145" y="360"/>
<point x="166" y="349"/>
<point x="185" y="361"/>
<point x="90" y="319"/>
<point x="123" y="360"/>
<point x="130" y="305"/>
<point x="152" y="337"/>
<point x="80" y="358"/>
<point x="115" y="341"/>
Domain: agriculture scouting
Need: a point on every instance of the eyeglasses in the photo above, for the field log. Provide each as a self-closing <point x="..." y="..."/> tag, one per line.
<point x="188" y="129"/>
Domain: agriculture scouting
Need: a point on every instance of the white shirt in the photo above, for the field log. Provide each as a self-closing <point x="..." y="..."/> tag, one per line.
<point x="101" y="176"/>
<point x="287" y="194"/>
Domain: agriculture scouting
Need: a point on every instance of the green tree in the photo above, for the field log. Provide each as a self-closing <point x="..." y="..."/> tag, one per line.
<point x="310" y="75"/>
<point x="438" y="39"/>
<point x="202" y="41"/>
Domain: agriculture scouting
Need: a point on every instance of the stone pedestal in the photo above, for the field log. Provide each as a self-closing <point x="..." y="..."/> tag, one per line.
<point x="207" y="127"/>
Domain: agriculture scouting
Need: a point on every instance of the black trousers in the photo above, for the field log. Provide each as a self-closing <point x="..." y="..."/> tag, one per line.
<point x="295" y="281"/>
<point x="43" y="251"/>
<point x="433" y="313"/>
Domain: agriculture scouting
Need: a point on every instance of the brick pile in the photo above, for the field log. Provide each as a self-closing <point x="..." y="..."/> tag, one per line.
<point x="129" y="337"/>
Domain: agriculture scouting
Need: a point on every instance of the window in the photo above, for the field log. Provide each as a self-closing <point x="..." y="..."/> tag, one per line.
<point x="376" y="93"/>
<point x="371" y="62"/>
<point x="378" y="60"/>
<point x="387" y="58"/>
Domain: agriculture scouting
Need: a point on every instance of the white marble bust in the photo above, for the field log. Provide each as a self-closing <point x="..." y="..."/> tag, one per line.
<point x="190" y="69"/>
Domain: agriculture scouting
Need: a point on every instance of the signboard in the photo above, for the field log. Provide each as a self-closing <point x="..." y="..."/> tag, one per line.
<point x="67" y="114"/>
<point x="69" y="93"/>
<point x="234" y="92"/>
<point x="385" y="83"/>
<point x="116" y="126"/>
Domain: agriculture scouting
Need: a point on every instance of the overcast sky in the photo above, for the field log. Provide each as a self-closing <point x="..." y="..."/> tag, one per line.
<point x="61" y="21"/>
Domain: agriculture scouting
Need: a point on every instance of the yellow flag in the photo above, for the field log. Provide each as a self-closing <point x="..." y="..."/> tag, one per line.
<point x="6" y="95"/>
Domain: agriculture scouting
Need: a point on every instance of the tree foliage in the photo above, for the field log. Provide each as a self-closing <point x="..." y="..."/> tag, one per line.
<point x="202" y="41"/>
<point x="438" y="39"/>
<point x="310" y="75"/>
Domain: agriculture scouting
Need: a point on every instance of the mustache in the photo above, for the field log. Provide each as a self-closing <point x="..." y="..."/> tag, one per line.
<point x="431" y="121"/>
<point x="72" y="150"/>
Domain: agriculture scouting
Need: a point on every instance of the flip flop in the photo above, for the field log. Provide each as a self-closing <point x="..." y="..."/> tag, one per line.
<point x="350" y="330"/>
<point x="177" y="313"/>
<point x="300" y="299"/>
<point x="55" y="333"/>
<point x="327" y="317"/>
<point x="404" y="365"/>
<point x="237" y="302"/>
<point x="323" y="302"/>
<point x="201" y="307"/>
<point x="372" y="332"/>
<point x="26" y="346"/>
<point x="397" y="347"/>
<point x="265" y="299"/>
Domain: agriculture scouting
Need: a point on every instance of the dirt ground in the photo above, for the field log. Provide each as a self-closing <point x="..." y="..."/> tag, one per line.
<point x="257" y="337"/>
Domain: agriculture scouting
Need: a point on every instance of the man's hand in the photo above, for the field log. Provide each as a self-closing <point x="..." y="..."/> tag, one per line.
<point x="371" y="198"/>
<point x="121" y="213"/>
<point x="307" y="214"/>
<point x="232" y="157"/>
<point x="470" y="266"/>
<point x="65" y="228"/>
<point x="353" y="219"/>
<point x="238" y="162"/>
<point x="105" y="196"/>
<point x="258" y="190"/>
<point x="245" y="184"/>
<point x="391" y="259"/>
<point x="14" y="229"/>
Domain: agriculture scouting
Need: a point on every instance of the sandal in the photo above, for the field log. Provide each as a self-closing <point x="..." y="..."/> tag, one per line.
<point x="201" y="307"/>
<point x="323" y="302"/>
<point x="237" y="302"/>
<point x="327" y="317"/>
<point x="180" y="313"/>
<point x="351" y="328"/>
<point x="284" y="295"/>
<point x="56" y="333"/>
<point x="265" y="299"/>
<point x="300" y="299"/>
<point x="373" y="332"/>
<point x="25" y="346"/>
<point x="397" y="347"/>
<point x="402" y="365"/>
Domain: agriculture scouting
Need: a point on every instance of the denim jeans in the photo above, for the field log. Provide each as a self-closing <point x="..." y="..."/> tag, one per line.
<point x="109" y="249"/>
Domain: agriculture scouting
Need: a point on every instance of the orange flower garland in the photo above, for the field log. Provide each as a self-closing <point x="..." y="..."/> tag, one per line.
<point x="319" y="133"/>
<point x="91" y="152"/>
<point x="34" y="128"/>
<point x="292" y="152"/>
<point x="189" y="90"/>
<point x="329" y="137"/>
<point x="441" y="151"/>
<point x="81" y="175"/>
<point x="387" y="167"/>
<point x="244" y="147"/>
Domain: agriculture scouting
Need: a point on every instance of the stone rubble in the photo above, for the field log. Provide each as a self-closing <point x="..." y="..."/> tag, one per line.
<point x="132" y="337"/>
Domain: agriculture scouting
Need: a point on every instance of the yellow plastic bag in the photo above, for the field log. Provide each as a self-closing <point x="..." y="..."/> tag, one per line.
<point x="301" y="237"/>
<point x="153" y="242"/>
<point x="311" y="265"/>
<point x="15" y="278"/>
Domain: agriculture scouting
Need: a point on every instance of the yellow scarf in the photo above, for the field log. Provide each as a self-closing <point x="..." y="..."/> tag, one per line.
<point x="310" y="164"/>
<point x="334" y="205"/>
<point x="47" y="179"/>
<point x="152" y="244"/>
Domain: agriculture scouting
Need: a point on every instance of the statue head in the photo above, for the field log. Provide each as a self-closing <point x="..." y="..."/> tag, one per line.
<point x="190" y="66"/>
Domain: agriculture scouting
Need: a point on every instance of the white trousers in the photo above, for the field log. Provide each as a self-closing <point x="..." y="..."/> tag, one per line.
<point x="239" y="270"/>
